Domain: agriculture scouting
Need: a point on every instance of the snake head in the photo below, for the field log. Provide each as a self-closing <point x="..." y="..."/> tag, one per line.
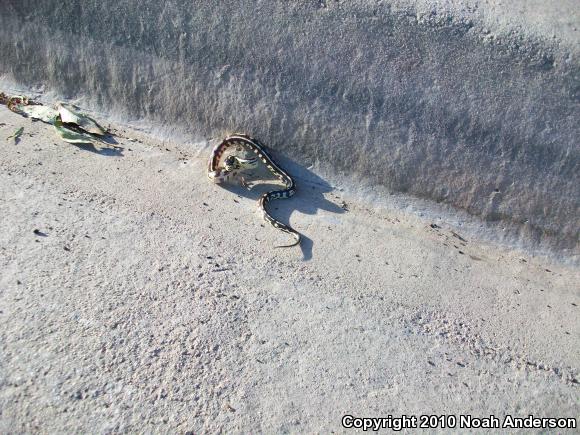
<point x="232" y="163"/>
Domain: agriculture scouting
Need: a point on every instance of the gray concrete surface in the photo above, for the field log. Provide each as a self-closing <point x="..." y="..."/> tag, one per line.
<point x="544" y="19"/>
<point x="470" y="103"/>
<point x="153" y="301"/>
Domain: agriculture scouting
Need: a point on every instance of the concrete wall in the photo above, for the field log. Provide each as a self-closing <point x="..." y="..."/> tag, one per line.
<point x="432" y="101"/>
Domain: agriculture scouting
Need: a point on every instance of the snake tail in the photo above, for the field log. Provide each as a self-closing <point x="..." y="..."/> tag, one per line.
<point x="266" y="198"/>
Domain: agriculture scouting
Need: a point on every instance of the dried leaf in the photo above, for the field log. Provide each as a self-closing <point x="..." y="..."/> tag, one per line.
<point x="70" y="114"/>
<point x="16" y="134"/>
<point x="69" y="135"/>
<point x="16" y="101"/>
<point x="44" y="113"/>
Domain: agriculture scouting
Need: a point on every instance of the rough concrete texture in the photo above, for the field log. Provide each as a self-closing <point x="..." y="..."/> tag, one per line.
<point x="471" y="103"/>
<point x="152" y="301"/>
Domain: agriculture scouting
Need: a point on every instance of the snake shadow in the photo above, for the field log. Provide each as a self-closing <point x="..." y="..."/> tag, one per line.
<point x="113" y="150"/>
<point x="309" y="197"/>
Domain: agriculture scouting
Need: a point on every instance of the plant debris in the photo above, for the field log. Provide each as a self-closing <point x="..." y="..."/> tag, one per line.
<point x="70" y="123"/>
<point x="43" y="113"/>
<point x="16" y="135"/>
<point x="69" y="114"/>
<point x="16" y="102"/>
<point x="71" y="136"/>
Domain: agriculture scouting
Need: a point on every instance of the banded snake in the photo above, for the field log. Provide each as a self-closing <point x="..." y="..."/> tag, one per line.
<point x="233" y="165"/>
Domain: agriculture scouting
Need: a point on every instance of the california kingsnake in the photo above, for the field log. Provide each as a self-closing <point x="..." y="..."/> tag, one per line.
<point x="233" y="164"/>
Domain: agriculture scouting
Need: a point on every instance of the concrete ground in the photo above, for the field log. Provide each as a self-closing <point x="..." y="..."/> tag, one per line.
<point x="136" y="296"/>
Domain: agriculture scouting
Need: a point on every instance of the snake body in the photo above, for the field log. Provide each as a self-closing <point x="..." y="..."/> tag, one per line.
<point x="234" y="164"/>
